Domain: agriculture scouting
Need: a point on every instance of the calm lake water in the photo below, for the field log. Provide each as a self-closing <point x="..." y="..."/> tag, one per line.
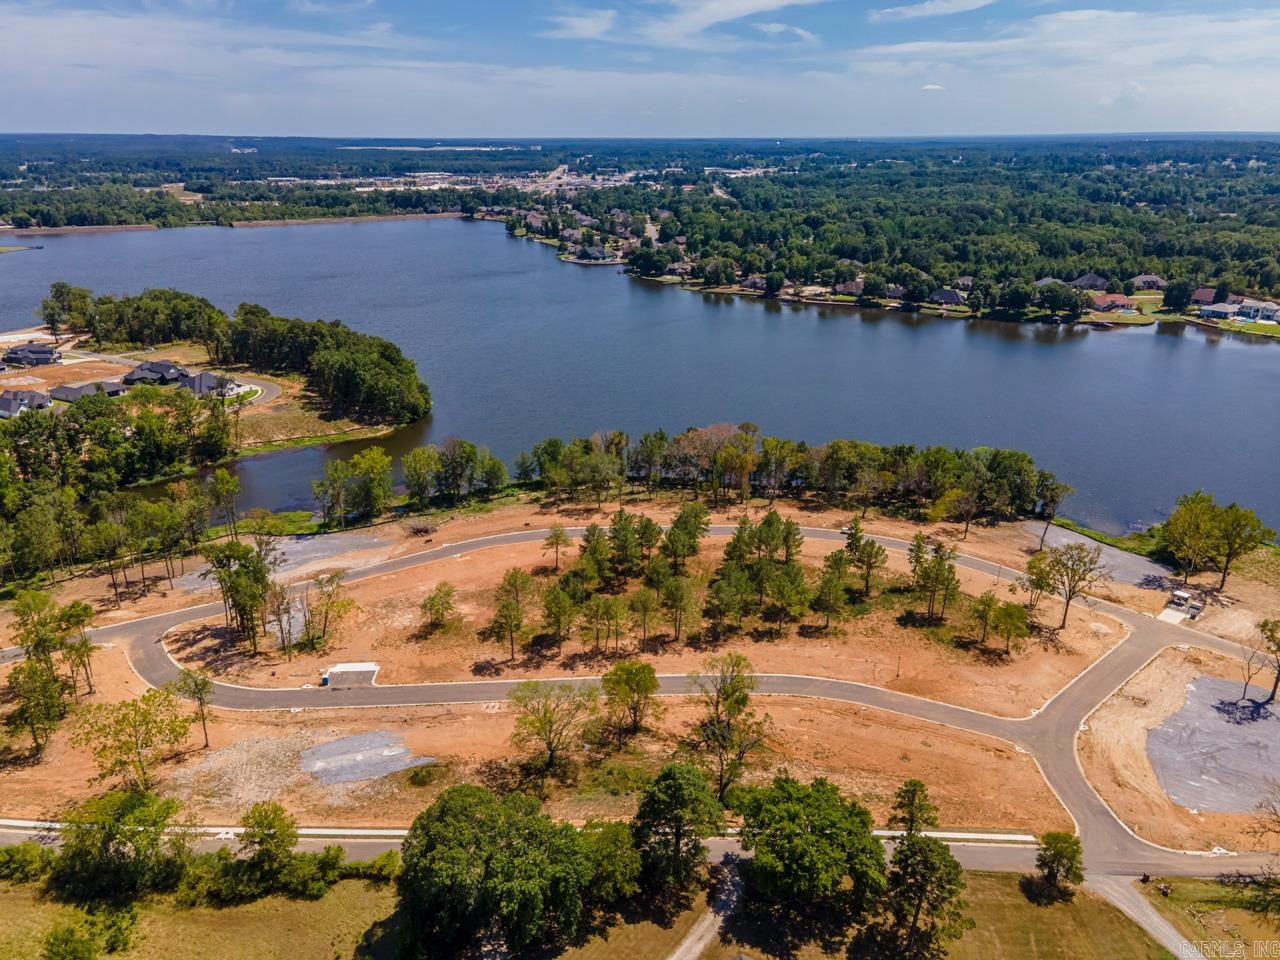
<point x="516" y="345"/>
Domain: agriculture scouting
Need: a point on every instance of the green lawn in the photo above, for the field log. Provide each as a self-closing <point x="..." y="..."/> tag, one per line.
<point x="1202" y="911"/>
<point x="1007" y="927"/>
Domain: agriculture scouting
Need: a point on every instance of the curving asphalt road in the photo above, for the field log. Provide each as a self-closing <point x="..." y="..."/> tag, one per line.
<point x="1048" y="735"/>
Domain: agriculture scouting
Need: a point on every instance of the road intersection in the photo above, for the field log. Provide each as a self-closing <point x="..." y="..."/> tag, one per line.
<point x="1112" y="851"/>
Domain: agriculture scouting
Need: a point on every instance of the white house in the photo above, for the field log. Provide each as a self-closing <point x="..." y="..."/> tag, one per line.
<point x="1258" y="311"/>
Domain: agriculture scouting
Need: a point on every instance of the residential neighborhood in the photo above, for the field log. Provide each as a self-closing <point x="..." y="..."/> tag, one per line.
<point x="37" y="374"/>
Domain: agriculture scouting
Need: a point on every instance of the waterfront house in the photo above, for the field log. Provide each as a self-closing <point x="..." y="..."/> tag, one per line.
<point x="1089" y="281"/>
<point x="1219" y="311"/>
<point x="963" y="283"/>
<point x="159" y="372"/>
<point x="1258" y="311"/>
<point x="33" y="354"/>
<point x="678" y="269"/>
<point x="895" y="291"/>
<point x="754" y="283"/>
<point x="1203" y="297"/>
<point x="850" y="288"/>
<point x="1113" y="301"/>
<point x="1148" y="281"/>
<point x="69" y="394"/>
<point x="947" y="298"/>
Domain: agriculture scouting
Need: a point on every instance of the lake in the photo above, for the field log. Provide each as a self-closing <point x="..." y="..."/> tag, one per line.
<point x="516" y="346"/>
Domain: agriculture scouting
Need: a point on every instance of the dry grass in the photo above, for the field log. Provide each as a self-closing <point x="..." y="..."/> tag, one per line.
<point x="354" y="921"/>
<point x="1007" y="927"/>
<point x="334" y="926"/>
<point x="1263" y="566"/>
<point x="1203" y="911"/>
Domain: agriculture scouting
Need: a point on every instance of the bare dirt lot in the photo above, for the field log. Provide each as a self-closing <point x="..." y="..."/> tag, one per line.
<point x="293" y="415"/>
<point x="875" y="647"/>
<point x="1113" y="752"/>
<point x="977" y="782"/>
<point x="45" y="378"/>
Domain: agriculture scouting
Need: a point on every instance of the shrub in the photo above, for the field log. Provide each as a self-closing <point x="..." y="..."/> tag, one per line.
<point x="69" y="941"/>
<point x="25" y="862"/>
<point x="308" y="876"/>
<point x="384" y="868"/>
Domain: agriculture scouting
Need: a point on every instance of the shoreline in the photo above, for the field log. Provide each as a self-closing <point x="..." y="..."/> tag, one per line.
<point x="97" y="228"/>
<point x="359" y="218"/>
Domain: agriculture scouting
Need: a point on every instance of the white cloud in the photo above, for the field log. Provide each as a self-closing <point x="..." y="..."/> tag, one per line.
<point x="932" y="87"/>
<point x="689" y="22"/>
<point x="328" y="7"/>
<point x="581" y="25"/>
<point x="929" y="8"/>
<point x="785" y="29"/>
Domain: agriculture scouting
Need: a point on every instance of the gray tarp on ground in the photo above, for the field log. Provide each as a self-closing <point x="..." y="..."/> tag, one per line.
<point x="365" y="756"/>
<point x="1218" y="753"/>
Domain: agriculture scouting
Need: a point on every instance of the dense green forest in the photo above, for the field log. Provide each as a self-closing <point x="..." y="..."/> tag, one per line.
<point x="997" y="223"/>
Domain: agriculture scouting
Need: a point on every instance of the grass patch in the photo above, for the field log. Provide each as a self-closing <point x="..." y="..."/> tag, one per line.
<point x="1007" y="927"/>
<point x="1263" y="566"/>
<point x="1257" y="329"/>
<point x="1204" y="911"/>
<point x="1010" y="926"/>
<point x="1145" y="543"/>
<point x="427" y="774"/>
<point x="293" y="523"/>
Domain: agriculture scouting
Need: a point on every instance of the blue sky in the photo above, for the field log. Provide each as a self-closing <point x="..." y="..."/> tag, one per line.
<point x="642" y="68"/>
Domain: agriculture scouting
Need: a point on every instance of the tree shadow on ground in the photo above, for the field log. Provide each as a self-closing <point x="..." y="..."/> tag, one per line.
<point x="917" y="619"/>
<point x="217" y="646"/>
<point x="385" y="939"/>
<point x="784" y="931"/>
<point x="1049" y="639"/>
<point x="1241" y="712"/>
<point x="1043" y="894"/>
<point x="988" y="655"/>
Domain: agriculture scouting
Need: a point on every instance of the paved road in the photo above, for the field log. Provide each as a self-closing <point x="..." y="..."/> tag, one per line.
<point x="1124" y="566"/>
<point x="1048" y="735"/>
